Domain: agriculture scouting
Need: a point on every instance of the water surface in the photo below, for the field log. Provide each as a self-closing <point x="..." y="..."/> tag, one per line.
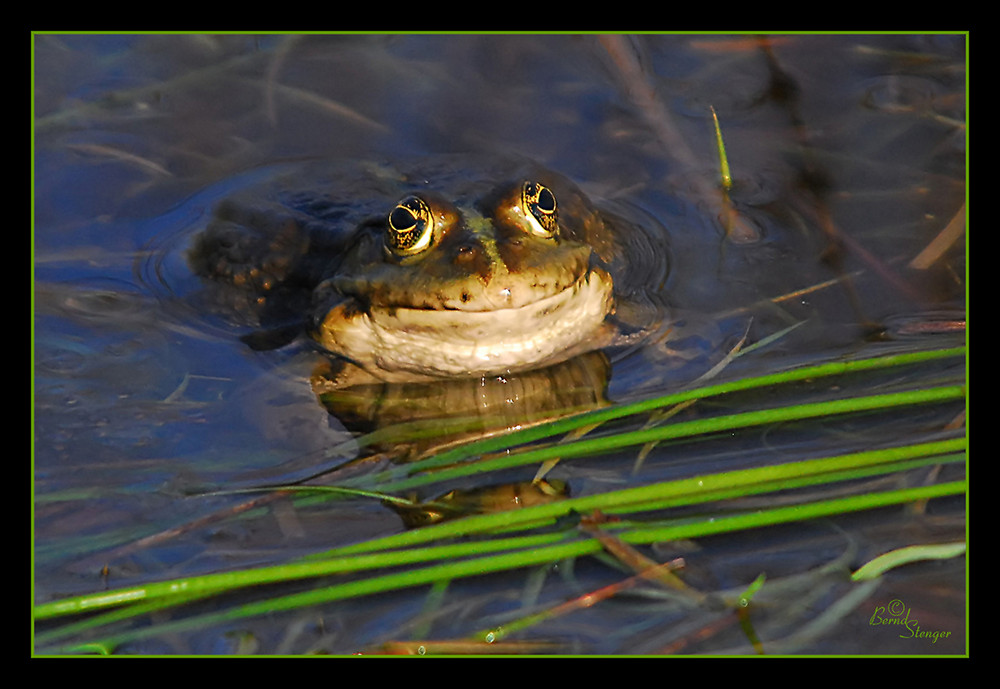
<point x="848" y="159"/>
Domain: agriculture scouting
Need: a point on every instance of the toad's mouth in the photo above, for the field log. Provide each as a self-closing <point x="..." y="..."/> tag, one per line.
<point x="401" y="343"/>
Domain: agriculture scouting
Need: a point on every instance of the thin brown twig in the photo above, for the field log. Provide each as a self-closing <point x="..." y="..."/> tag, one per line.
<point x="944" y="239"/>
<point x="464" y="647"/>
<point x="706" y="632"/>
<point x="634" y="560"/>
<point x="643" y="93"/>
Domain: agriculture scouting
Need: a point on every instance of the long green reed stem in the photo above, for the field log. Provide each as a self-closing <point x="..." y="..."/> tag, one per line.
<point x="699" y="427"/>
<point x="490" y="552"/>
<point x="366" y="555"/>
<point x="562" y="426"/>
<point x="542" y="555"/>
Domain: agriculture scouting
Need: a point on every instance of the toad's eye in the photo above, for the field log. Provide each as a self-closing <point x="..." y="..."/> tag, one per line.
<point x="539" y="206"/>
<point x="410" y="227"/>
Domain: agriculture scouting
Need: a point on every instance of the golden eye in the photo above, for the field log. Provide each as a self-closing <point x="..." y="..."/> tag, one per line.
<point x="539" y="206"/>
<point x="410" y="227"/>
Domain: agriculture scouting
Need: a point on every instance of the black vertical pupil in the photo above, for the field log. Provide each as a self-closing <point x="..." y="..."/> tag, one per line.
<point x="546" y="200"/>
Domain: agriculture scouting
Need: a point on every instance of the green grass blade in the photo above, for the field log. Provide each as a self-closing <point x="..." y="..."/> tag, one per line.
<point x="699" y="427"/>
<point x="682" y="491"/>
<point x="727" y="178"/>
<point x="566" y="425"/>
<point x="428" y="556"/>
<point x="902" y="556"/>
<point x="383" y="552"/>
<point x="542" y="555"/>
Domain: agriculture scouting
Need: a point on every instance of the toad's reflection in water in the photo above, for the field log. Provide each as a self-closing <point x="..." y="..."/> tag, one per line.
<point x="417" y="419"/>
<point x="498" y="498"/>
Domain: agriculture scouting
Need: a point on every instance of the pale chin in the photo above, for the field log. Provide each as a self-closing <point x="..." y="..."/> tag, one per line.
<point x="402" y="344"/>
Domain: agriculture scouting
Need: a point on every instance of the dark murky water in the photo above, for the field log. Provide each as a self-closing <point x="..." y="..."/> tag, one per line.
<point x="848" y="158"/>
